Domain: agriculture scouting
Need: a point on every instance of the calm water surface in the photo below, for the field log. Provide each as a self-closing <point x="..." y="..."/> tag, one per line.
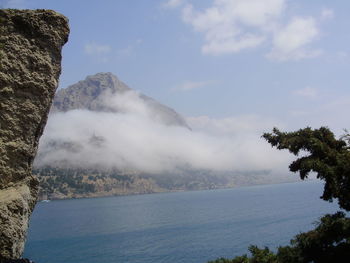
<point x="185" y="227"/>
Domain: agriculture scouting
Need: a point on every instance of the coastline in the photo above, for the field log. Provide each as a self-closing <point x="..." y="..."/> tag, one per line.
<point x="41" y="199"/>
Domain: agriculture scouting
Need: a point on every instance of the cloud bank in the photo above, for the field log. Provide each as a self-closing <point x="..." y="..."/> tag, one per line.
<point x="132" y="140"/>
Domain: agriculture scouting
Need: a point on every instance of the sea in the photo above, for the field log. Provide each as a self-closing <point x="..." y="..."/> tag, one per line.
<point x="180" y="227"/>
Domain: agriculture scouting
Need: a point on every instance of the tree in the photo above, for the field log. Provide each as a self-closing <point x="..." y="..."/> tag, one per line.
<point x="329" y="158"/>
<point x="258" y="256"/>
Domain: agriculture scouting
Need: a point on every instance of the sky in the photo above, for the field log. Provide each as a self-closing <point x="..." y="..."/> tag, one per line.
<point x="229" y="66"/>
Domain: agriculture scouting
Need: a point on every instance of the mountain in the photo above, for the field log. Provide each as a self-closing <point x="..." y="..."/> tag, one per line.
<point x="104" y="138"/>
<point x="100" y="92"/>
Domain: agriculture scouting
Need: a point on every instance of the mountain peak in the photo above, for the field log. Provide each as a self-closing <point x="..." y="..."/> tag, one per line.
<point x="105" y="92"/>
<point x="85" y="93"/>
<point x="106" y="80"/>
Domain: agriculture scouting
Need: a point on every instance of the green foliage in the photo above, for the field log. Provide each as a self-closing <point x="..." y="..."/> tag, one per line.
<point x="240" y="259"/>
<point x="261" y="255"/>
<point x="328" y="242"/>
<point x="63" y="180"/>
<point x="330" y="159"/>
<point x="258" y="256"/>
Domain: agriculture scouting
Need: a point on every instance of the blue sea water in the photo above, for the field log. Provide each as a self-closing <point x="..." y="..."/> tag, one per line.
<point x="183" y="227"/>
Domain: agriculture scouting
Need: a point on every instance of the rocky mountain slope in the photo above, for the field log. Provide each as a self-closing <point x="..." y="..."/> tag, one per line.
<point x="94" y="94"/>
<point x="30" y="65"/>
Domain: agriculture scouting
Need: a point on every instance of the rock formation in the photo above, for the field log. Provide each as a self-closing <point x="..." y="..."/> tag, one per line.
<point x="30" y="65"/>
<point x="92" y="92"/>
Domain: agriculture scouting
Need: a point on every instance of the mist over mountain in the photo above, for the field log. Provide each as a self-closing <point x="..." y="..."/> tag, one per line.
<point x="104" y="138"/>
<point x="104" y="92"/>
<point x="101" y="123"/>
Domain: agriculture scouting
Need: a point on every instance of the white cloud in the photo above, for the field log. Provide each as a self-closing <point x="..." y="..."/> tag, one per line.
<point x="133" y="140"/>
<point x="327" y="13"/>
<point x="97" y="49"/>
<point x="307" y="92"/>
<point x="172" y="4"/>
<point x="190" y="85"/>
<point x="225" y="23"/>
<point x="231" y="26"/>
<point x="289" y="43"/>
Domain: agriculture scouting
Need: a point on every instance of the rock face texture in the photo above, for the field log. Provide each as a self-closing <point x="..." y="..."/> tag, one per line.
<point x="30" y="65"/>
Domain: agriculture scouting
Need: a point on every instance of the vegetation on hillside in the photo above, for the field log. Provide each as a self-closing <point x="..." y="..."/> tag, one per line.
<point x="329" y="158"/>
<point x="59" y="183"/>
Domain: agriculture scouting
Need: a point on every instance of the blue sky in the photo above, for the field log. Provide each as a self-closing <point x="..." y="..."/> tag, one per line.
<point x="286" y="62"/>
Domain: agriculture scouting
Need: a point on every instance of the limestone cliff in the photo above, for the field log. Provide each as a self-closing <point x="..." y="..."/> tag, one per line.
<point x="30" y="65"/>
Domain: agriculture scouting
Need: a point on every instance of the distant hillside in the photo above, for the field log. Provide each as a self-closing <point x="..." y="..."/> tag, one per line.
<point x="93" y="92"/>
<point x="61" y="183"/>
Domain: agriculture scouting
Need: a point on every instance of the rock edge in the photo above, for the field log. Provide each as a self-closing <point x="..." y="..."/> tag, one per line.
<point x="30" y="64"/>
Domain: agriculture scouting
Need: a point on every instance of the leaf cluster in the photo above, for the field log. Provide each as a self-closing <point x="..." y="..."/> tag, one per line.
<point x="258" y="256"/>
<point x="327" y="156"/>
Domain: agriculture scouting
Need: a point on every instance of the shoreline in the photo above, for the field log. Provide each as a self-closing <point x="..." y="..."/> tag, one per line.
<point x="42" y="200"/>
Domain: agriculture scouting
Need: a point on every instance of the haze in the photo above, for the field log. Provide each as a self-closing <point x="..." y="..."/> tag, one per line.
<point x="134" y="140"/>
